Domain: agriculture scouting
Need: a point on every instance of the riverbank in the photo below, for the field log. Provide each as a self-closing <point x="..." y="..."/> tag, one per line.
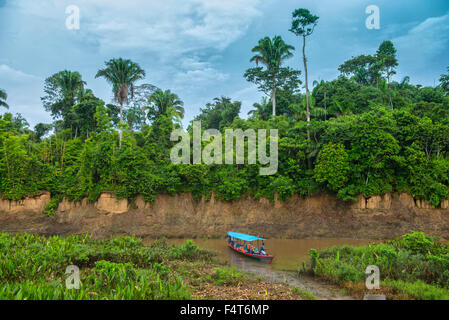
<point x="181" y="216"/>
<point x="414" y="266"/>
<point x="34" y="268"/>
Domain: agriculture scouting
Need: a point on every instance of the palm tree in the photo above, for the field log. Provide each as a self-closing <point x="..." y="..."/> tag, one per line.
<point x="271" y="53"/>
<point x="70" y="83"/>
<point x="165" y="103"/>
<point x="260" y="110"/>
<point x="342" y="109"/>
<point x="121" y="74"/>
<point x="405" y="81"/>
<point x="64" y="90"/>
<point x="323" y="86"/>
<point x="3" y="97"/>
<point x="299" y="110"/>
<point x="444" y="82"/>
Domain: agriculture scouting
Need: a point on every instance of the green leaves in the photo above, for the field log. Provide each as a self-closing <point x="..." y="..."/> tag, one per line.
<point x="165" y="103"/>
<point x="332" y="166"/>
<point x="272" y="53"/>
<point x="52" y="205"/>
<point x="303" y="22"/>
<point x="219" y="113"/>
<point x="368" y="69"/>
<point x="415" y="264"/>
<point x="34" y="267"/>
<point x="284" y="78"/>
<point x="3" y="97"/>
<point x="63" y="90"/>
<point x="444" y="80"/>
<point x="121" y="74"/>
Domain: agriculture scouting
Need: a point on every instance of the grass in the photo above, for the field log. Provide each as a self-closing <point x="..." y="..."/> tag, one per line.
<point x="414" y="266"/>
<point x="228" y="276"/>
<point x="33" y="267"/>
<point x="307" y="295"/>
<point x="419" y="290"/>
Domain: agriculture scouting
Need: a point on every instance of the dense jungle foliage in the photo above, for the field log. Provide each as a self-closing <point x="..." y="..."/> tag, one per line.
<point x="362" y="133"/>
<point x="35" y="267"/>
<point x="118" y="268"/>
<point x="414" y="265"/>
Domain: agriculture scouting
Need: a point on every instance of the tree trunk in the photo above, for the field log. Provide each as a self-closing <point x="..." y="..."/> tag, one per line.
<point x="325" y="103"/>
<point x="121" y="120"/>
<point x="306" y="84"/>
<point x="273" y="101"/>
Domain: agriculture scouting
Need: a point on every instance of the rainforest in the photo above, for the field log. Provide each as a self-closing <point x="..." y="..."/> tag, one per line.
<point x="366" y="136"/>
<point x="135" y="189"/>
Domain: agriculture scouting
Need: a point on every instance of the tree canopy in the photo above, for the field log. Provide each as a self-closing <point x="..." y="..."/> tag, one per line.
<point x="362" y="133"/>
<point x="122" y="75"/>
<point x="272" y="53"/>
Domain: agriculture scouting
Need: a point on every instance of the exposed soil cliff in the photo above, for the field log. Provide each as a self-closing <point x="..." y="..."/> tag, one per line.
<point x="181" y="216"/>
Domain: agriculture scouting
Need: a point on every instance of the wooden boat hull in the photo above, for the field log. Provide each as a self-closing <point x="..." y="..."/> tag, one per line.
<point x="262" y="258"/>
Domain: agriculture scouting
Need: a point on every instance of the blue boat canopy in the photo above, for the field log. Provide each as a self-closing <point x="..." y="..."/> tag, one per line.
<point x="244" y="237"/>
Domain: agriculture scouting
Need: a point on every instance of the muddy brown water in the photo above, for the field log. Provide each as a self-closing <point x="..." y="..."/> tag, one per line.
<point x="289" y="255"/>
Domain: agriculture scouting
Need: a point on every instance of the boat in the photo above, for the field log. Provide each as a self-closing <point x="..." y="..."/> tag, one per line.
<point x="242" y="244"/>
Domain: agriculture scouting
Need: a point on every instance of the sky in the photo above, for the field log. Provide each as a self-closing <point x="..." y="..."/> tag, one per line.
<point x="200" y="49"/>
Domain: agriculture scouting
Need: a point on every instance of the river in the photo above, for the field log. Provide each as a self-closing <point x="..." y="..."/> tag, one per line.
<point x="288" y="254"/>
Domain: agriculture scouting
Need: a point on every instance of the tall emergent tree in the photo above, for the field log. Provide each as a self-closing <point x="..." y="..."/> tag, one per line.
<point x="387" y="54"/>
<point x="63" y="90"/>
<point x="271" y="53"/>
<point x="303" y="25"/>
<point x="364" y="69"/>
<point x="121" y="74"/>
<point x="368" y="69"/>
<point x="3" y="97"/>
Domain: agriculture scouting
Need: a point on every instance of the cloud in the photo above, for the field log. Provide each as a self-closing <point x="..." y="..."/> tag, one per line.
<point x="198" y="48"/>
<point x="169" y="27"/>
<point x="10" y="76"/>
<point x="194" y="72"/>
<point x="24" y="91"/>
<point x="424" y="42"/>
<point x="179" y="43"/>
